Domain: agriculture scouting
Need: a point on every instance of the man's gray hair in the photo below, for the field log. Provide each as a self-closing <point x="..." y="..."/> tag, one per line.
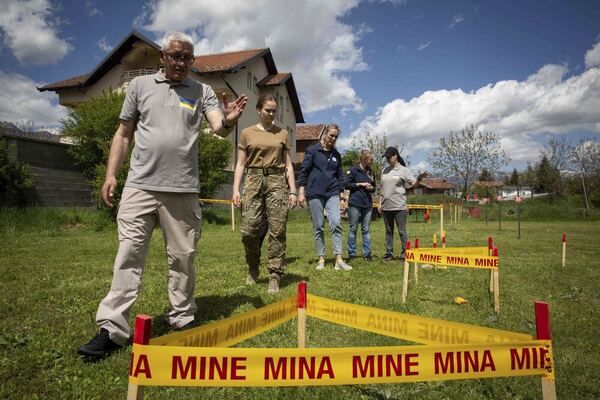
<point x="177" y="37"/>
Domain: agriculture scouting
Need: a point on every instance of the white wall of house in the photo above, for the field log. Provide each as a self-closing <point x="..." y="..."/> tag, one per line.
<point x="243" y="81"/>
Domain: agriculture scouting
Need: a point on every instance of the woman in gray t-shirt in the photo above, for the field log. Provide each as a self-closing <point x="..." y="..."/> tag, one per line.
<point x="395" y="179"/>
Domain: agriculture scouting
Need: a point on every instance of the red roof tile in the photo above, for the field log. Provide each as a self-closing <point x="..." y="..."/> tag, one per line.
<point x="437" y="183"/>
<point x="274" y="79"/>
<point x="226" y="61"/>
<point x="67" y="83"/>
<point x="309" y="132"/>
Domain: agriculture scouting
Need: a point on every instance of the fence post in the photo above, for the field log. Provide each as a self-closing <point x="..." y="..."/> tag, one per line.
<point x="441" y="219"/>
<point x="542" y="325"/>
<point x="496" y="284"/>
<point x="141" y="335"/>
<point x="232" y="217"/>
<point x="301" y="314"/>
<point x="405" y="276"/>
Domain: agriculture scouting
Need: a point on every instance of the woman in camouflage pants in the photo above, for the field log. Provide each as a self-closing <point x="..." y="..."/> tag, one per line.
<point x="264" y="159"/>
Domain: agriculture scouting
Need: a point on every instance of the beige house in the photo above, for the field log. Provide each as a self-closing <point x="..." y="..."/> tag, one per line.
<point x="251" y="72"/>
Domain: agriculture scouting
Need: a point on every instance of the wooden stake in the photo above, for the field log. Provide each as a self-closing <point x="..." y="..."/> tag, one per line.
<point x="496" y="285"/>
<point x="564" y="255"/>
<point x="141" y="335"/>
<point x="405" y="277"/>
<point x="442" y="220"/>
<point x="232" y="217"/>
<point x="301" y="314"/>
<point x="416" y="266"/>
<point x="542" y="325"/>
<point x="491" y="253"/>
<point x="434" y="241"/>
<point x="444" y="239"/>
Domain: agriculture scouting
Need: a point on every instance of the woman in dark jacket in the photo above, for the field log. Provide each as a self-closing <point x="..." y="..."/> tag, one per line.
<point x="321" y="183"/>
<point x="360" y="181"/>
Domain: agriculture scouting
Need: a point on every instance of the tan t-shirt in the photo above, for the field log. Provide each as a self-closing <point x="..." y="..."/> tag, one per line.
<point x="264" y="149"/>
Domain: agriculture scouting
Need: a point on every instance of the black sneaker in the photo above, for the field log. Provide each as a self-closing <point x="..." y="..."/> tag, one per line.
<point x="388" y="257"/>
<point x="99" y="347"/>
<point x="189" y="325"/>
<point x="351" y="257"/>
<point x="368" y="258"/>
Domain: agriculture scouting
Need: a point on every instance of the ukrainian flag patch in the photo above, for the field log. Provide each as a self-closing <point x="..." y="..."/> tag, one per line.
<point x="187" y="103"/>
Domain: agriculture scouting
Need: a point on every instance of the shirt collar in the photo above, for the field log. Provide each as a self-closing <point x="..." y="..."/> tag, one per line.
<point x="160" y="77"/>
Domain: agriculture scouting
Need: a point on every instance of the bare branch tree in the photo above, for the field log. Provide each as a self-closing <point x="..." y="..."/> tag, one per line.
<point x="558" y="152"/>
<point x="586" y="159"/>
<point x="466" y="153"/>
<point x="27" y="126"/>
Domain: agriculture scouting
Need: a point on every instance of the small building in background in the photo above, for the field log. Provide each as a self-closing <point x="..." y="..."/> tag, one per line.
<point x="434" y="186"/>
<point x="306" y="136"/>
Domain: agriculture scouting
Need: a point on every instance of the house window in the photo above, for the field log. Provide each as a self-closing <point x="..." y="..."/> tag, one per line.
<point x="254" y="84"/>
<point x="249" y="80"/>
<point x="287" y="103"/>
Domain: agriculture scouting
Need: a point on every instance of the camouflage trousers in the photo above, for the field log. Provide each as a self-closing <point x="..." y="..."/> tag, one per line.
<point x="265" y="194"/>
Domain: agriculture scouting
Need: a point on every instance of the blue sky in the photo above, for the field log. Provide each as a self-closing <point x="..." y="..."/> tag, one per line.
<point x="414" y="70"/>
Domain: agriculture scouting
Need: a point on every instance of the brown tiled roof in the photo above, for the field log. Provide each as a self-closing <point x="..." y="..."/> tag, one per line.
<point x="436" y="183"/>
<point x="308" y="132"/>
<point x="490" y="184"/>
<point x="67" y="83"/>
<point x="226" y="61"/>
<point x="274" y="79"/>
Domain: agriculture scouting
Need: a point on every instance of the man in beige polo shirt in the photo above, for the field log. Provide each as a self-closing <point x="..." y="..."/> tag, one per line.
<point x="163" y="112"/>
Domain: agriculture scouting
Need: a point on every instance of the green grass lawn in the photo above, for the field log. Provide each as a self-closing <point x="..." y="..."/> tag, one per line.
<point x="56" y="266"/>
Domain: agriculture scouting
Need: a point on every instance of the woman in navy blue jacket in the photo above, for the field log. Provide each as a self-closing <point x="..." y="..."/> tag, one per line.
<point x="320" y="181"/>
<point x="360" y="181"/>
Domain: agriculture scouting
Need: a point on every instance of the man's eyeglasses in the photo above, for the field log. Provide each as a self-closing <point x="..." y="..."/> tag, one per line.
<point x="186" y="59"/>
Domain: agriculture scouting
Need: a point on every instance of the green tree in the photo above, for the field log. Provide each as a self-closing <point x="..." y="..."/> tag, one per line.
<point x="514" y="178"/>
<point x="463" y="154"/>
<point x="15" y="179"/>
<point x="547" y="178"/>
<point x="213" y="157"/>
<point x="485" y="176"/>
<point x="92" y="124"/>
<point x="350" y="158"/>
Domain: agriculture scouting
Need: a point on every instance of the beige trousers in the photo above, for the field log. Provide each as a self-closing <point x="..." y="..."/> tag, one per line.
<point x="180" y="219"/>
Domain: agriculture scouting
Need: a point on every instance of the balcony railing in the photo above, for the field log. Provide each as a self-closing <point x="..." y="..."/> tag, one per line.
<point x="129" y="75"/>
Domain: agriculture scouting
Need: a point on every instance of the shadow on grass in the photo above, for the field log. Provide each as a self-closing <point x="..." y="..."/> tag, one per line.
<point x="210" y="308"/>
<point x="210" y="216"/>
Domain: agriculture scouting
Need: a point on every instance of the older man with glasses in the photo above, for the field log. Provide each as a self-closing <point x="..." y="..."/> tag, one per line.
<point x="163" y="113"/>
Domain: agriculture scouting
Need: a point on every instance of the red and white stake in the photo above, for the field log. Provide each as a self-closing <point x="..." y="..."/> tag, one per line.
<point x="301" y="314"/>
<point x="564" y="255"/>
<point x="542" y="325"/>
<point x="405" y="276"/>
<point x="444" y="239"/>
<point x="142" y="332"/>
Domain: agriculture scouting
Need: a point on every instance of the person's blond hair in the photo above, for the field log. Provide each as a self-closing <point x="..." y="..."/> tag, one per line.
<point x="364" y="154"/>
<point x="328" y="128"/>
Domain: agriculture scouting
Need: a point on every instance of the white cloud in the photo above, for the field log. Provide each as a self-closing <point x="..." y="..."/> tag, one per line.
<point x="104" y="45"/>
<point x="21" y="101"/>
<point x="592" y="57"/>
<point x="31" y="33"/>
<point x="307" y="38"/>
<point x="549" y="101"/>
<point x="456" y="19"/>
<point x="423" y="46"/>
<point x="91" y="9"/>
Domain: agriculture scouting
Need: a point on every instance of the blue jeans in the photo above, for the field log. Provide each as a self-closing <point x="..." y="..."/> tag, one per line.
<point x="331" y="206"/>
<point x="362" y="215"/>
<point x="399" y="218"/>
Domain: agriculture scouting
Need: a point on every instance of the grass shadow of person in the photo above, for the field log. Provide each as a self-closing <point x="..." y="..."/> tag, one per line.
<point x="210" y="308"/>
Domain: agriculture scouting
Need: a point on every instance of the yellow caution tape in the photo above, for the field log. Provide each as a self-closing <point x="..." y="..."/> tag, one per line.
<point x="215" y="201"/>
<point x="406" y="326"/>
<point x="452" y="260"/>
<point x="233" y="330"/>
<point x="185" y="366"/>
<point x="470" y="251"/>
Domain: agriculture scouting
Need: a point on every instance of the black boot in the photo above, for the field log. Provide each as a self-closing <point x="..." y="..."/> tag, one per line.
<point x="99" y="347"/>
